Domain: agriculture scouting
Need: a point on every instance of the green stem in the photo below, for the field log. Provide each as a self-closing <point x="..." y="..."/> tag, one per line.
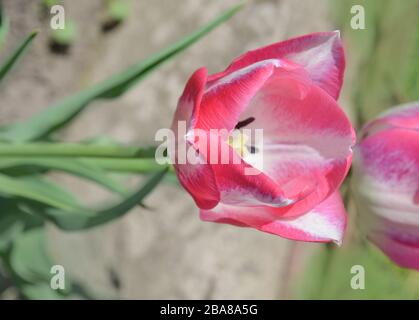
<point x="327" y="263"/>
<point x="126" y="165"/>
<point x="74" y="150"/>
<point x="108" y="164"/>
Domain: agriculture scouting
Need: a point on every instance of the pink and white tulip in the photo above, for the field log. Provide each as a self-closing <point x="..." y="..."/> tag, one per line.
<point x="288" y="89"/>
<point x="386" y="172"/>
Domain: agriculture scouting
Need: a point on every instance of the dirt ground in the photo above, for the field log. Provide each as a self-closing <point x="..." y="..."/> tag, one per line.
<point x="167" y="252"/>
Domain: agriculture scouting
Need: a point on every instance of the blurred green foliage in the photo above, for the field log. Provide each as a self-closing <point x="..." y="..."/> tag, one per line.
<point x="4" y="27"/>
<point x="65" y="36"/>
<point x="387" y="52"/>
<point x="117" y="10"/>
<point x="64" y="111"/>
<point x="328" y="275"/>
<point x="49" y="3"/>
<point x="6" y="65"/>
<point x="387" y="55"/>
<point x="29" y="199"/>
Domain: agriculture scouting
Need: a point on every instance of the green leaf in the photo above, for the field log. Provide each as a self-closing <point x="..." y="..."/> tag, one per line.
<point x="14" y="57"/>
<point x="30" y="266"/>
<point x="64" y="111"/>
<point x="4" y="27"/>
<point x="47" y="200"/>
<point x="328" y="276"/>
<point x="38" y="190"/>
<point x="79" y="167"/>
<point x="84" y="219"/>
<point x="125" y="165"/>
<point x="75" y="150"/>
<point x="11" y="222"/>
<point x="40" y="291"/>
<point x="29" y="259"/>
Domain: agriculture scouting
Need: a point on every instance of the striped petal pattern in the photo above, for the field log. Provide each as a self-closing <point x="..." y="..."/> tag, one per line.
<point x="285" y="183"/>
<point x="387" y="175"/>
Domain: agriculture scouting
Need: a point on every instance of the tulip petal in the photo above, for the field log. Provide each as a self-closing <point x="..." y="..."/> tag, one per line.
<point x="404" y="255"/>
<point x="199" y="181"/>
<point x="191" y="97"/>
<point x="238" y="182"/>
<point x="240" y="188"/>
<point x="405" y="116"/>
<point x="400" y="242"/>
<point x="324" y="223"/>
<point x="320" y="54"/>
<point x="226" y="98"/>
<point x="387" y="178"/>
<point x="386" y="170"/>
<point x="198" y="178"/>
<point x="307" y="139"/>
<point x="389" y="161"/>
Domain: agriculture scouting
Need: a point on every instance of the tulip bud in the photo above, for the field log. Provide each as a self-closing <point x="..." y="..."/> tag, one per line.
<point x="386" y="183"/>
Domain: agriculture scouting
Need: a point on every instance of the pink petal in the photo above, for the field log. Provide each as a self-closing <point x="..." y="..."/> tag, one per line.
<point x="399" y="242"/>
<point x="191" y="97"/>
<point x="239" y="188"/>
<point x="226" y="98"/>
<point x="324" y="223"/>
<point x="198" y="179"/>
<point x="390" y="160"/>
<point x="386" y="170"/>
<point x="307" y="139"/>
<point x="404" y="255"/>
<point x="320" y="54"/>
<point x="404" y="116"/>
<point x="235" y="184"/>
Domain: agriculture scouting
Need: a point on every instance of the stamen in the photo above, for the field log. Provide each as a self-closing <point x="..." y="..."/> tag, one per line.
<point x="238" y="142"/>
<point x="253" y="149"/>
<point x="244" y="123"/>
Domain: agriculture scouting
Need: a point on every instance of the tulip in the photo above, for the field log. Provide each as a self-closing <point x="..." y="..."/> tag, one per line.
<point x="286" y="183"/>
<point x="386" y="172"/>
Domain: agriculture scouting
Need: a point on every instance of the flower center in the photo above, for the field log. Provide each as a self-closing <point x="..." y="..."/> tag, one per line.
<point x="237" y="140"/>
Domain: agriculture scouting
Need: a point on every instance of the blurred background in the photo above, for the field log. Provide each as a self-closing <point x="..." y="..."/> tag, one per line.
<point x="165" y="251"/>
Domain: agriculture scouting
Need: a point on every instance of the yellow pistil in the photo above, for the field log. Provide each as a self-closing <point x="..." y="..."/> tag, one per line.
<point x="238" y="142"/>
